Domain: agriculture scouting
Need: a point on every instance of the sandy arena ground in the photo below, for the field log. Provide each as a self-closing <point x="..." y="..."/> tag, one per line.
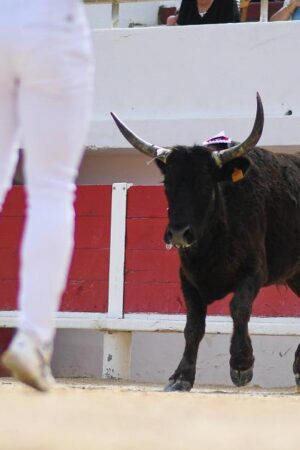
<point x="105" y="416"/>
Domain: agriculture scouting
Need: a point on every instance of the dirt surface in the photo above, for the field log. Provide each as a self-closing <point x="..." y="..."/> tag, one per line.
<point x="87" y="416"/>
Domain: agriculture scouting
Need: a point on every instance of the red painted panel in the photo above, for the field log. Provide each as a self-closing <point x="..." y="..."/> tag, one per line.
<point x="80" y="295"/>
<point x="90" y="201"/>
<point x="92" y="232"/>
<point x="93" y="201"/>
<point x="277" y="301"/>
<point x="146" y="233"/>
<point x="273" y="301"/>
<point x="85" y="296"/>
<point x="151" y="272"/>
<point x="8" y="291"/>
<point x="15" y="202"/>
<point x="9" y="258"/>
<point x="149" y="266"/>
<point x="10" y="231"/>
<point x="166" y="298"/>
<point x="90" y="264"/>
<point x="156" y="297"/>
<point x="87" y="288"/>
<point x="146" y="201"/>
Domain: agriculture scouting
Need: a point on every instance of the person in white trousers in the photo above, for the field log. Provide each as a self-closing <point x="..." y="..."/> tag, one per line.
<point x="46" y="90"/>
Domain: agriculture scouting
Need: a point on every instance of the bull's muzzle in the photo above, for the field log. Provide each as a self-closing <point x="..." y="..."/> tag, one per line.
<point x="179" y="237"/>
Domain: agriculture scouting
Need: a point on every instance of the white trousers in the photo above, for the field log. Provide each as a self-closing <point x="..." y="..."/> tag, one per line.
<point x="46" y="80"/>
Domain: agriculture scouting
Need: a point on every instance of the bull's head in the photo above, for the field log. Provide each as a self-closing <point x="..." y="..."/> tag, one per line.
<point x="191" y="177"/>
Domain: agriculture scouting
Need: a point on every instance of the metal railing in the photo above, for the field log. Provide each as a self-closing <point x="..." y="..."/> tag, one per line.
<point x="264" y="6"/>
<point x="115" y="8"/>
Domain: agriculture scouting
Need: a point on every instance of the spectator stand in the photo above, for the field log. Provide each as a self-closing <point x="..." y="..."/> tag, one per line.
<point x="251" y="11"/>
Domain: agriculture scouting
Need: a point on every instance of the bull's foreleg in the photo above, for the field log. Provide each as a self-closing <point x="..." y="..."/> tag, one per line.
<point x="294" y="284"/>
<point x="296" y="366"/>
<point x="242" y="359"/>
<point x="184" y="376"/>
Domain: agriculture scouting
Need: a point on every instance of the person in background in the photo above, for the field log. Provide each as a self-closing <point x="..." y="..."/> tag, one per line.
<point x="46" y="93"/>
<point x="287" y="11"/>
<point x="200" y="12"/>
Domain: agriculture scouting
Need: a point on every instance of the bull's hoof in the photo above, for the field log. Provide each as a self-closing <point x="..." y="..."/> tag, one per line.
<point x="241" y="377"/>
<point x="178" y="385"/>
<point x="297" y="378"/>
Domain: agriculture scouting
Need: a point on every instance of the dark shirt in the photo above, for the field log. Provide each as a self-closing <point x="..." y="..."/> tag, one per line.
<point x="221" y="11"/>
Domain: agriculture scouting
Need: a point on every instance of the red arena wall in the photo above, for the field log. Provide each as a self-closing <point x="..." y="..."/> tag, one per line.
<point x="87" y="288"/>
<point x="151" y="272"/>
<point x="151" y="282"/>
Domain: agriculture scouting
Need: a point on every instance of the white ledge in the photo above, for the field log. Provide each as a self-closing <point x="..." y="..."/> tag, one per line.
<point x="287" y="326"/>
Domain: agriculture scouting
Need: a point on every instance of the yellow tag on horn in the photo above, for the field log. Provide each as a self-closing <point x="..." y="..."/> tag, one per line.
<point x="237" y="175"/>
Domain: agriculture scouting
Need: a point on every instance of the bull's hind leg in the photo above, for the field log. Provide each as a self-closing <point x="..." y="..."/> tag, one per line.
<point x="296" y="366"/>
<point x="294" y="284"/>
<point x="242" y="359"/>
<point x="184" y="376"/>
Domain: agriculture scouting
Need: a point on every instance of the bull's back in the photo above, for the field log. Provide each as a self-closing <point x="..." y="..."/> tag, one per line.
<point x="281" y="173"/>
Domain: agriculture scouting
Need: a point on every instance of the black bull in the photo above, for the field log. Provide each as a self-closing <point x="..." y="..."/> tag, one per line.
<point x="234" y="215"/>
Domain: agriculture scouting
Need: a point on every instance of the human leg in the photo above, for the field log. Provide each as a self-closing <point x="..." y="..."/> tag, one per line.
<point x="8" y="136"/>
<point x="54" y="148"/>
<point x="53" y="152"/>
<point x="55" y="104"/>
<point x="54" y="107"/>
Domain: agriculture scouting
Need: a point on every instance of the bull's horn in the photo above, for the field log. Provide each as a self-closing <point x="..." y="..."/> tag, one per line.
<point x="148" y="149"/>
<point x="223" y="156"/>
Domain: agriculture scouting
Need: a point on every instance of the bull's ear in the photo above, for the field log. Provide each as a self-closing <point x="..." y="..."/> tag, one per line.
<point x="234" y="170"/>
<point x="161" y="165"/>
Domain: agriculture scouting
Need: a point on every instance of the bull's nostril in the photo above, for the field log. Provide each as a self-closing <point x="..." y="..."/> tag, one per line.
<point x="187" y="234"/>
<point x="168" y="236"/>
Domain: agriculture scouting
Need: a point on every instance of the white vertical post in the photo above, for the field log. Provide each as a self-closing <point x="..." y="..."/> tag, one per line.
<point x="116" y="355"/>
<point x="115" y="13"/>
<point x="117" y="250"/>
<point x="117" y="345"/>
<point x="264" y="6"/>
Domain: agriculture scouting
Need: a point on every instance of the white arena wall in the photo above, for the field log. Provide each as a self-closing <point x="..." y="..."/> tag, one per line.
<point x="181" y="85"/>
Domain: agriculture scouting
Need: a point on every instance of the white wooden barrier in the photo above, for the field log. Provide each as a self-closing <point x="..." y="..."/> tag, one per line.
<point x="118" y="327"/>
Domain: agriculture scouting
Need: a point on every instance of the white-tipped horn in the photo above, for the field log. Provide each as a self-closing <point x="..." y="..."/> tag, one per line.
<point x="223" y="156"/>
<point x="145" y="147"/>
